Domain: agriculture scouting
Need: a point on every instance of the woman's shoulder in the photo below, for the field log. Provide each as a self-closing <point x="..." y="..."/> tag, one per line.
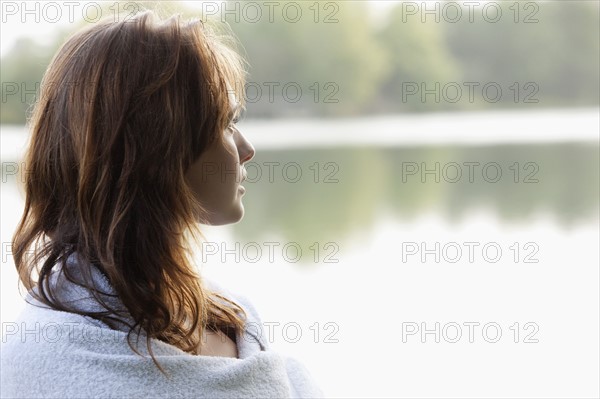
<point x="57" y="353"/>
<point x="301" y="381"/>
<point x="51" y="353"/>
<point x="40" y="330"/>
<point x="36" y="346"/>
<point x="235" y="296"/>
<point x="253" y="339"/>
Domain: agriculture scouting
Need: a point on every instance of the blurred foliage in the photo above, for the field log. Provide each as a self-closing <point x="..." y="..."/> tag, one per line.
<point x="418" y="53"/>
<point x="357" y="64"/>
<point x="560" y="52"/>
<point x="345" y="54"/>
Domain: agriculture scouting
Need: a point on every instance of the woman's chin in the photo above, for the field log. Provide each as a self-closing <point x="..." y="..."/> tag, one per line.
<point x="239" y="214"/>
<point x="235" y="215"/>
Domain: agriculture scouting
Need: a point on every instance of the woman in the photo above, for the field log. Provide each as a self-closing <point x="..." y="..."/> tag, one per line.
<point x="133" y="145"/>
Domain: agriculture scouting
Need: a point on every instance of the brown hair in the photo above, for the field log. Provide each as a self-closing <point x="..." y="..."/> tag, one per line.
<point x="125" y="108"/>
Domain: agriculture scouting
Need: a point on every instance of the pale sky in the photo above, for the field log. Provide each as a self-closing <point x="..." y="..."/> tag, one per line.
<point x="40" y="20"/>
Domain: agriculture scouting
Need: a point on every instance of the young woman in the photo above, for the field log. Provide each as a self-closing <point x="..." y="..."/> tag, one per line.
<point x="133" y="145"/>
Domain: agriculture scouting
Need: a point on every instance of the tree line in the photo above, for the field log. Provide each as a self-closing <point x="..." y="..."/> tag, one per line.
<point x="341" y="59"/>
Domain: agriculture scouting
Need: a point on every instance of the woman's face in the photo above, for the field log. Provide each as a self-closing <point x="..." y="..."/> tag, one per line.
<point x="217" y="175"/>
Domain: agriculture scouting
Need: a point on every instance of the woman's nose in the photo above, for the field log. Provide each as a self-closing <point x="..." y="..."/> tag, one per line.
<point x="245" y="149"/>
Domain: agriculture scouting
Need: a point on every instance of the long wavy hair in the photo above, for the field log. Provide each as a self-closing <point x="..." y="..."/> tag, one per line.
<point x="124" y="109"/>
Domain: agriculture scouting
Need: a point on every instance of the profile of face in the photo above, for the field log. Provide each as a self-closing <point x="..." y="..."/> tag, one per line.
<point x="216" y="176"/>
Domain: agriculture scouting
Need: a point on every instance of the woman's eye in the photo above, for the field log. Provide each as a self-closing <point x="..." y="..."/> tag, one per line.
<point x="233" y="123"/>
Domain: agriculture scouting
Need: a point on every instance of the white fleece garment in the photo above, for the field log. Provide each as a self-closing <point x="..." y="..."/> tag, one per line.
<point x="53" y="354"/>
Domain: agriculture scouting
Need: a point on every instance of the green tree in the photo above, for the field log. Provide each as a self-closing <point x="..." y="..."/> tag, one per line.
<point x="417" y="55"/>
<point x="551" y="44"/>
<point x="338" y="46"/>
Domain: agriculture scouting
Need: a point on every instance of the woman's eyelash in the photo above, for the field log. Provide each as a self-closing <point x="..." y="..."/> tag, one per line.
<point x="238" y="116"/>
<point x="231" y="126"/>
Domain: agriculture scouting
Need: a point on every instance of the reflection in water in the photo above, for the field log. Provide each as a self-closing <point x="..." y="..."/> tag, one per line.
<point x="330" y="194"/>
<point x="321" y="195"/>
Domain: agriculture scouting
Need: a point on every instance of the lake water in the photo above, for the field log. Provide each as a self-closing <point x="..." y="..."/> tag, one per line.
<point x="365" y="241"/>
